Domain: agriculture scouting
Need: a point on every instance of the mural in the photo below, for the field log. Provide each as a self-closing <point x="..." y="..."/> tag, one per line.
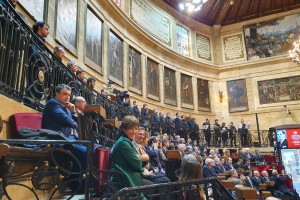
<point x="170" y="86"/>
<point x="93" y="44"/>
<point x="153" y="79"/>
<point x="203" y="95"/>
<point x="66" y="23"/>
<point x="115" y="52"/>
<point x="271" y="38"/>
<point x="237" y="95"/>
<point x="134" y="70"/>
<point x="35" y="8"/>
<point x="279" y="90"/>
<point x="186" y="91"/>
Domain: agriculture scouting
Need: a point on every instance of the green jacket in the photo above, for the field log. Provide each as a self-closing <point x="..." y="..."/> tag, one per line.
<point x="125" y="159"/>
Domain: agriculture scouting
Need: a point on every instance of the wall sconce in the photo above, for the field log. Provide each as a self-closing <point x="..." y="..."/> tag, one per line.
<point x="221" y="96"/>
<point x="231" y="2"/>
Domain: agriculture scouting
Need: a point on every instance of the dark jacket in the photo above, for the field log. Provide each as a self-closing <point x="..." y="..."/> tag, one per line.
<point x="56" y="117"/>
<point x="208" y="172"/>
<point x="256" y="181"/>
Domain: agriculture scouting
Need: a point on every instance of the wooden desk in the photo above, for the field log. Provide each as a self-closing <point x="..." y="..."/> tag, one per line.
<point x="246" y="193"/>
<point x="173" y="154"/>
<point x="96" y="108"/>
<point x="221" y="178"/>
<point x="112" y="122"/>
<point x="228" y="184"/>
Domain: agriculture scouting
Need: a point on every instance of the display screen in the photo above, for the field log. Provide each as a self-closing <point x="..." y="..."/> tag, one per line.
<point x="288" y="138"/>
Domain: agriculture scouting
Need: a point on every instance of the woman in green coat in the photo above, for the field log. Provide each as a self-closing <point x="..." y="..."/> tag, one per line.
<point x="125" y="157"/>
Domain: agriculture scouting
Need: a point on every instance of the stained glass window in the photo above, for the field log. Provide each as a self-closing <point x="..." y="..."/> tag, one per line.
<point x="182" y="41"/>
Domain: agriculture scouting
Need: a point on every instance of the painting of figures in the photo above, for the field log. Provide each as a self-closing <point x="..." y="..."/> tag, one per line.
<point x="237" y="95"/>
<point x="186" y="92"/>
<point x="203" y="95"/>
<point x="134" y="70"/>
<point x="271" y="38"/>
<point x="279" y="90"/>
<point x="93" y="43"/>
<point x="66" y="23"/>
<point x="152" y="79"/>
<point x="115" y="54"/>
<point x="170" y="86"/>
<point x="35" y="8"/>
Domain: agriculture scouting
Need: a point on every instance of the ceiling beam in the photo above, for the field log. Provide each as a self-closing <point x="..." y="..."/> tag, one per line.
<point x="223" y="13"/>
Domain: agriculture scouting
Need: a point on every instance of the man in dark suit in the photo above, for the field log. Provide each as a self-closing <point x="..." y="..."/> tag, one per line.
<point x="247" y="165"/>
<point x="135" y="109"/>
<point x="265" y="177"/>
<point x="280" y="186"/>
<point x="256" y="180"/>
<point x="228" y="166"/>
<point x="259" y="158"/>
<point x="239" y="164"/>
<point x="57" y="116"/>
<point x="218" y="168"/>
<point x="207" y="131"/>
<point x="58" y="112"/>
<point x="208" y="171"/>
<point x="248" y="179"/>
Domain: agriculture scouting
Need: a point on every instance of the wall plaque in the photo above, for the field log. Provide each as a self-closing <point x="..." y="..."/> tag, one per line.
<point x="203" y="47"/>
<point x="233" y="47"/>
<point x="152" y="20"/>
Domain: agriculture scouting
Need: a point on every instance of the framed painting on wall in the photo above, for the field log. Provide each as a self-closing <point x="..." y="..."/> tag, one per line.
<point x="279" y="90"/>
<point x="115" y="55"/>
<point x="271" y="38"/>
<point x="170" y="86"/>
<point x="35" y="8"/>
<point x="186" y="92"/>
<point x="66" y="23"/>
<point x="134" y="70"/>
<point x="93" y="42"/>
<point x="237" y="95"/>
<point x="203" y="95"/>
<point x="152" y="79"/>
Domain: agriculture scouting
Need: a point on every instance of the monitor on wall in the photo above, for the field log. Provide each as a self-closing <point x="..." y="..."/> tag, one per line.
<point x="288" y="138"/>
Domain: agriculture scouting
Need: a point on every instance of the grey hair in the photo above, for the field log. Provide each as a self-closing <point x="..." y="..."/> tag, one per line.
<point x="208" y="160"/>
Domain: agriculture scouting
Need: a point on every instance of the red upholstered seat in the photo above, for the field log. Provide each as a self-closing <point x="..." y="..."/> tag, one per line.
<point x="102" y="162"/>
<point x="270" y="158"/>
<point x="289" y="183"/>
<point x="24" y="120"/>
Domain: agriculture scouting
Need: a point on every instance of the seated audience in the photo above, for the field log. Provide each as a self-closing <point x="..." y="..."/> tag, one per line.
<point x="181" y="148"/>
<point x="256" y="180"/>
<point x="265" y="177"/>
<point x="234" y="176"/>
<point x="208" y="171"/>
<point x="239" y="164"/>
<point x="248" y="179"/>
<point x="247" y="155"/>
<point x="228" y="165"/>
<point x="247" y="165"/>
<point x="124" y="156"/>
<point x="258" y="157"/>
<point x="57" y="116"/>
<point x="218" y="168"/>
<point x="281" y="187"/>
<point x="152" y="151"/>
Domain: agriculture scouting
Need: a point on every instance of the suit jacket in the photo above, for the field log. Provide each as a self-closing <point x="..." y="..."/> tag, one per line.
<point x="237" y="166"/>
<point x="248" y="183"/>
<point x="56" y="117"/>
<point x="256" y="181"/>
<point x="125" y="159"/>
<point x="208" y="172"/>
<point x="228" y="167"/>
<point x="264" y="179"/>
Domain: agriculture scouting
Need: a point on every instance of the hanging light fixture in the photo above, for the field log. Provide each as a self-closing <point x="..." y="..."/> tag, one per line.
<point x="191" y="6"/>
<point x="231" y="2"/>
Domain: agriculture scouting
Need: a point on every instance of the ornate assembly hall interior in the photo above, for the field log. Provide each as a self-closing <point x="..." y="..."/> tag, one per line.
<point x="149" y="99"/>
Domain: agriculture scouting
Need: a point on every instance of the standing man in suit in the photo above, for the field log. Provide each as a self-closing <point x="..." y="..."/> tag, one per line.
<point x="135" y="109"/>
<point x="243" y="131"/>
<point x="207" y="131"/>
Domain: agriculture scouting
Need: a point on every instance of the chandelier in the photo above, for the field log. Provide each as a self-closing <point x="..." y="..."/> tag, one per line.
<point x="191" y="6"/>
<point x="295" y="53"/>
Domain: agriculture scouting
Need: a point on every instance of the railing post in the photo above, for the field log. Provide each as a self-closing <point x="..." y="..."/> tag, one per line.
<point x="257" y="125"/>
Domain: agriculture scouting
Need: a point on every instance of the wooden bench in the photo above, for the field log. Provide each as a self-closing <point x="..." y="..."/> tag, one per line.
<point x="266" y="194"/>
<point x="228" y="184"/>
<point x="221" y="178"/>
<point x="246" y="193"/>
